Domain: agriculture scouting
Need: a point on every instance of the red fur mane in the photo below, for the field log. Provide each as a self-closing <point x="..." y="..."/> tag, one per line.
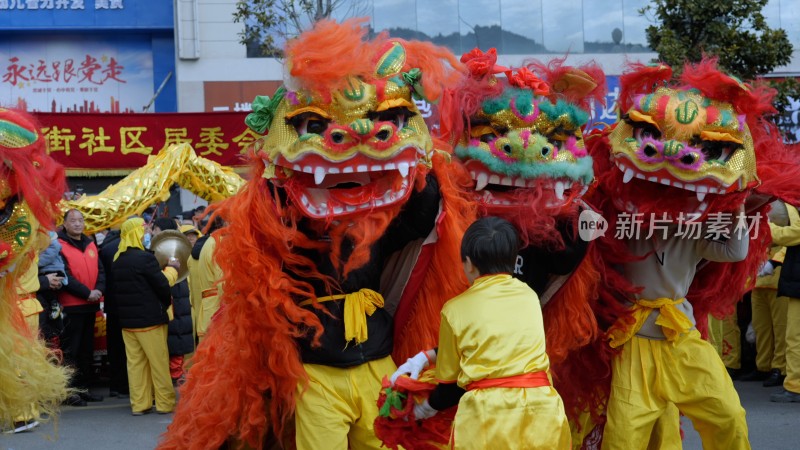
<point x="31" y="173"/>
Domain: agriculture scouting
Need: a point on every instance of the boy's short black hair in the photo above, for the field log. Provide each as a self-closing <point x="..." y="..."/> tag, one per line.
<point x="165" y="223"/>
<point x="492" y="244"/>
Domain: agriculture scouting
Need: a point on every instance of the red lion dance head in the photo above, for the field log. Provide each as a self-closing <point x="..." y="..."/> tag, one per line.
<point x="345" y="149"/>
<point x="31" y="185"/>
<point x="697" y="146"/>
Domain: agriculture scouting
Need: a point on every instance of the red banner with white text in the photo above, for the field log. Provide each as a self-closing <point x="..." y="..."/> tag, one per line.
<point x="114" y="144"/>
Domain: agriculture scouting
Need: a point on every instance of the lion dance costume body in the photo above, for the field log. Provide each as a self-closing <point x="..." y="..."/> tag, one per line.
<point x="690" y="150"/>
<point x="522" y="144"/>
<point x="349" y="225"/>
<point x="31" y="185"/>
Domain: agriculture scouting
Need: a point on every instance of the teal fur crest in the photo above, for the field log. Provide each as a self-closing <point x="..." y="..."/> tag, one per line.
<point x="523" y="101"/>
<point x="580" y="171"/>
<point x="577" y="116"/>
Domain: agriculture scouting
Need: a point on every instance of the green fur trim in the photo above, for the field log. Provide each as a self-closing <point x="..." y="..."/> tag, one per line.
<point x="576" y="116"/>
<point x="581" y="170"/>
<point x="524" y="101"/>
<point x="495" y="105"/>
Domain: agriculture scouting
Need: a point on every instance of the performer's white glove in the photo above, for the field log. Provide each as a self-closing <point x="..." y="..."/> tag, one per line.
<point x="766" y="269"/>
<point x="424" y="410"/>
<point x="413" y="367"/>
<point x="750" y="335"/>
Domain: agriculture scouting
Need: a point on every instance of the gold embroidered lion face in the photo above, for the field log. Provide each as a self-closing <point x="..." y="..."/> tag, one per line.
<point x="17" y="222"/>
<point x="682" y="139"/>
<point x="517" y="142"/>
<point x="356" y="150"/>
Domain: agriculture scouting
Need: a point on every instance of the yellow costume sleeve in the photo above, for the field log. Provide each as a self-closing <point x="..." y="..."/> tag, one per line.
<point x="790" y="234"/>
<point x="779" y="255"/>
<point x="208" y="274"/>
<point x="171" y="275"/>
<point x="28" y="283"/>
<point x="448" y="360"/>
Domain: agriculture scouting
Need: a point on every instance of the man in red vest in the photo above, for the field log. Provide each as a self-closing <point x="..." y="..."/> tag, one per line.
<point x="80" y="300"/>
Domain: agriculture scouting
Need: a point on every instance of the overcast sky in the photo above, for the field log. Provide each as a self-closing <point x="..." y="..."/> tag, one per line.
<point x="561" y="25"/>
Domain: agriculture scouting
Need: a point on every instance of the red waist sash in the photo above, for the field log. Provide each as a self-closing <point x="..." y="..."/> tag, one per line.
<point x="525" y="380"/>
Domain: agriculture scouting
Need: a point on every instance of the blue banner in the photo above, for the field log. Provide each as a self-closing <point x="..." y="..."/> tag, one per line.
<point x="86" y="15"/>
<point x="607" y="114"/>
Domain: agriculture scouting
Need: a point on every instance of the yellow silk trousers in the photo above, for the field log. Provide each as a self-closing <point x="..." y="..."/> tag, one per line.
<point x="769" y="323"/>
<point x="339" y="407"/>
<point x="725" y="337"/>
<point x="209" y="306"/>
<point x="148" y="369"/>
<point x="650" y="374"/>
<point x="792" y="381"/>
<point x="518" y="418"/>
<point x="32" y="322"/>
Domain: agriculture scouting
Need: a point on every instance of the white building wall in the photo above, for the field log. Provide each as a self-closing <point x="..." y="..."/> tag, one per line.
<point x="220" y="56"/>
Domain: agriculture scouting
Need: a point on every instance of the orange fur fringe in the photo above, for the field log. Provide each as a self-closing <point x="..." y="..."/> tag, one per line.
<point x="444" y="277"/>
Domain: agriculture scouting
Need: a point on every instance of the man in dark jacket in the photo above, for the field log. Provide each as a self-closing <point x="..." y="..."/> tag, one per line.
<point x="143" y="297"/>
<point x="180" y="338"/>
<point x="80" y="299"/>
<point x="117" y="363"/>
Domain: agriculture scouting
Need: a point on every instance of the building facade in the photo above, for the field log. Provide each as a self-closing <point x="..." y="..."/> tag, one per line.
<point x="215" y="72"/>
<point x="88" y="55"/>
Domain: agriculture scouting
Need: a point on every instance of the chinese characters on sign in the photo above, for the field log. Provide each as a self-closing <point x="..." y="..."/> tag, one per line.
<point x="607" y="114"/>
<point x="77" y="74"/>
<point x="58" y="4"/>
<point x="90" y="70"/>
<point x="123" y="141"/>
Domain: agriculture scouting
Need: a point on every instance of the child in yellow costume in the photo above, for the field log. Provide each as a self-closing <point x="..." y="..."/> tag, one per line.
<point x="492" y="344"/>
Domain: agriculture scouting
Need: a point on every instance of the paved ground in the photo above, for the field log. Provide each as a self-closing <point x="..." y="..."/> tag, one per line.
<point x="109" y="425"/>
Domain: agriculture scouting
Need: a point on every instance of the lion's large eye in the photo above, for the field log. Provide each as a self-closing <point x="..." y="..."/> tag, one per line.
<point x="559" y="136"/>
<point x="309" y="123"/>
<point x="642" y="131"/>
<point x="720" y="151"/>
<point x="483" y="133"/>
<point x="398" y="116"/>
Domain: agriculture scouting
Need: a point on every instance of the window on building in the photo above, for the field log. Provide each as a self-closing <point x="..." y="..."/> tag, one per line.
<point x="521" y="21"/>
<point x="438" y="21"/>
<point x="563" y="25"/>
